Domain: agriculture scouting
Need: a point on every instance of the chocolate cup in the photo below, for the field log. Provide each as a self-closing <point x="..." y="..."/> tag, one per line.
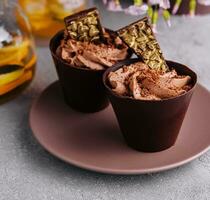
<point x="184" y="8"/>
<point x="150" y="125"/>
<point x="83" y="89"/>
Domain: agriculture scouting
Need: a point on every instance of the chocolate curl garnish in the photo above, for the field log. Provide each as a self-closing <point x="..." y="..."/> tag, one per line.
<point x="85" y="26"/>
<point x="140" y="38"/>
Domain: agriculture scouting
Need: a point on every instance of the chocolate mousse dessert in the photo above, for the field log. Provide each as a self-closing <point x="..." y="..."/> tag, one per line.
<point x="149" y="95"/>
<point x="81" y="53"/>
<point x="141" y="82"/>
<point x="93" y="56"/>
<point x="87" y="45"/>
<point x="151" y="79"/>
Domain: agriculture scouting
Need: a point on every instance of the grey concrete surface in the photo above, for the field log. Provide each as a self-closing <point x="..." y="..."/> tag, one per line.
<point x="28" y="172"/>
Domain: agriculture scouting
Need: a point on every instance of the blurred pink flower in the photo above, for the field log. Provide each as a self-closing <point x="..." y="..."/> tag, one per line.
<point x="204" y="2"/>
<point x="105" y="1"/>
<point x="114" y="6"/>
<point x="136" y="10"/>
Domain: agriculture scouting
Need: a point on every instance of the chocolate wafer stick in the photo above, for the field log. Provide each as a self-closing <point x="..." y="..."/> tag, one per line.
<point x="140" y="38"/>
<point x="85" y="26"/>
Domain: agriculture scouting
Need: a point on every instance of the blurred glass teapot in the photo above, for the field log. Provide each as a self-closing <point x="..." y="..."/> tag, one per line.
<point x="17" y="55"/>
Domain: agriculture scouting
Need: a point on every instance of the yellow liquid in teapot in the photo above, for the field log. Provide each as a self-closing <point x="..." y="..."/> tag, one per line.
<point x="17" y="65"/>
<point x="46" y="16"/>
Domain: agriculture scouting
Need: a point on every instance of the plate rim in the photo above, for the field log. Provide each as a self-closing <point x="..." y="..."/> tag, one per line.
<point x="102" y="170"/>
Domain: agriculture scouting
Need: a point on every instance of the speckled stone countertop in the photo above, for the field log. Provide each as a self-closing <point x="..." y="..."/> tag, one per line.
<point x="28" y="172"/>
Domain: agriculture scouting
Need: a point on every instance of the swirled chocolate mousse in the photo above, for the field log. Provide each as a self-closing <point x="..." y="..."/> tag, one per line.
<point x="87" y="45"/>
<point x="95" y="56"/>
<point x="138" y="81"/>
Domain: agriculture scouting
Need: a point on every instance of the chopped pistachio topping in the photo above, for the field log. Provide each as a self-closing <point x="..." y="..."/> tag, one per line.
<point x="140" y="38"/>
<point x="85" y="26"/>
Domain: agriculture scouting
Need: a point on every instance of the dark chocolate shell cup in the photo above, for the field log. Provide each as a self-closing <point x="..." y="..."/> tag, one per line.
<point x="83" y="88"/>
<point x="150" y="125"/>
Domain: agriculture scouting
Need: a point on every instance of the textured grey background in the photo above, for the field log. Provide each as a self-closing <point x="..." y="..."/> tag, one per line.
<point x="28" y="172"/>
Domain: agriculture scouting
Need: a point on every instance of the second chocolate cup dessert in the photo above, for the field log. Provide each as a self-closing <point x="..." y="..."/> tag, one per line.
<point x="81" y="55"/>
<point x="149" y="95"/>
<point x="150" y="123"/>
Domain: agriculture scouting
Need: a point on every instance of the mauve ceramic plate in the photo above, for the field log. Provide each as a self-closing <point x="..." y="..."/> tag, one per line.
<point x="94" y="142"/>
